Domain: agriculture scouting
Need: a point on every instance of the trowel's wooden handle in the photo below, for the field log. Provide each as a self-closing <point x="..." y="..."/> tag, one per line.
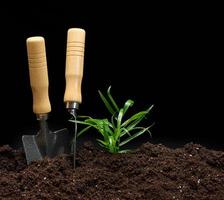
<point x="74" y="65"/>
<point x="38" y="74"/>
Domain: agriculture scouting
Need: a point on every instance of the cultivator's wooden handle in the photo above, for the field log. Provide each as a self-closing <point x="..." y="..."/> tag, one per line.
<point x="38" y="74"/>
<point x="74" y="65"/>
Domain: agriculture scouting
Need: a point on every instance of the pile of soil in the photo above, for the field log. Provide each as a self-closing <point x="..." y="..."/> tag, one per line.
<point x="151" y="172"/>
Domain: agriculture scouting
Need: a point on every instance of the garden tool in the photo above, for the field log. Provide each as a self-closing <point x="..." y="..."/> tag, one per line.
<point x="45" y="142"/>
<point x="74" y="74"/>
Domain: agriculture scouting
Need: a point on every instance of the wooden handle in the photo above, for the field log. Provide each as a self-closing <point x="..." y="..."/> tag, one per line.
<point x="74" y="65"/>
<point x="38" y="74"/>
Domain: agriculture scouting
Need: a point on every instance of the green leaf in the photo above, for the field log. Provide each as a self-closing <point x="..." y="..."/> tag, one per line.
<point x="142" y="128"/>
<point x="83" y="116"/>
<point x="112" y="144"/>
<point x="106" y="103"/>
<point x="100" y="126"/>
<point x="119" y="119"/>
<point x="102" y="142"/>
<point x="99" y="121"/>
<point x="131" y="126"/>
<point x="134" y="136"/>
<point x="107" y="129"/>
<point x="128" y="104"/>
<point x="118" y="128"/>
<point x="111" y="141"/>
<point x="95" y="123"/>
<point x="84" y="123"/>
<point x="112" y="99"/>
<point x="138" y="116"/>
<point x="124" y="131"/>
<point x="149" y="109"/>
<point x="83" y="130"/>
<point x="73" y="119"/>
<point x="112" y="121"/>
<point x="125" y="151"/>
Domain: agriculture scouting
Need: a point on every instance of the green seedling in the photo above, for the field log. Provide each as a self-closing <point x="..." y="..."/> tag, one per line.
<point x="119" y="130"/>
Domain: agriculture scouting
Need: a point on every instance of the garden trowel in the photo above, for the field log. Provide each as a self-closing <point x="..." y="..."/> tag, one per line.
<point x="74" y="74"/>
<point x="45" y="142"/>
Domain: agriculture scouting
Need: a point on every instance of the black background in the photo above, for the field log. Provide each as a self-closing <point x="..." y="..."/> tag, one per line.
<point x="164" y="55"/>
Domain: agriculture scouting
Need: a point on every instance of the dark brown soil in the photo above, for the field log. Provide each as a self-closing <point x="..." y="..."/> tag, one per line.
<point x="151" y="172"/>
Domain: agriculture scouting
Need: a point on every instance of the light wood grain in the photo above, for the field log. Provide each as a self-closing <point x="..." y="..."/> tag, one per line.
<point x="74" y="65"/>
<point x="38" y="74"/>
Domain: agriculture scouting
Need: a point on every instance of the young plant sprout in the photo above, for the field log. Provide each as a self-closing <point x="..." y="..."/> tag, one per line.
<point x="119" y="130"/>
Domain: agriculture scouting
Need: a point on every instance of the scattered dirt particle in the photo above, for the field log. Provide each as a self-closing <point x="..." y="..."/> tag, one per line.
<point x="152" y="172"/>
